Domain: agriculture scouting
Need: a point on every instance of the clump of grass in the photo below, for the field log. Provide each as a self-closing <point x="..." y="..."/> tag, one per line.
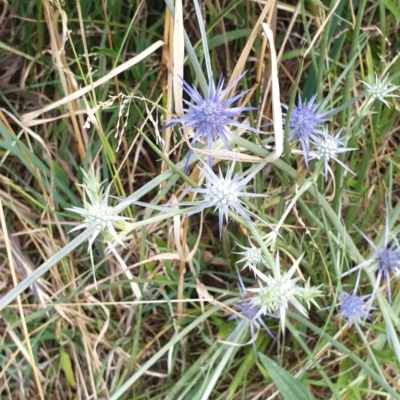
<point x="139" y="294"/>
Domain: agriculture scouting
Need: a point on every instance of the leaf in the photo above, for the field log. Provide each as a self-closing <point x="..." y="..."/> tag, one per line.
<point x="227" y="37"/>
<point x="66" y="366"/>
<point x="290" y="387"/>
<point x="392" y="7"/>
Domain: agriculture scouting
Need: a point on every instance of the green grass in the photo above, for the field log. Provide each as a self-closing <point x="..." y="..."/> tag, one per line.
<point x="75" y="330"/>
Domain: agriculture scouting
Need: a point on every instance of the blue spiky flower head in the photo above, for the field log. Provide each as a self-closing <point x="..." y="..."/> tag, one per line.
<point x="328" y="147"/>
<point x="385" y="258"/>
<point x="224" y="193"/>
<point x="353" y="308"/>
<point x="389" y="258"/>
<point x="305" y="123"/>
<point x="211" y="116"/>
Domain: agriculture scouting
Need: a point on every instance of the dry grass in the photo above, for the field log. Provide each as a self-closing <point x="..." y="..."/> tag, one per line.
<point x="69" y="337"/>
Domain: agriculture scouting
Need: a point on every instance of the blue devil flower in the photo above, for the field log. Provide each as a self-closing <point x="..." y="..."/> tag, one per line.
<point x="305" y="123"/>
<point x="211" y="116"/>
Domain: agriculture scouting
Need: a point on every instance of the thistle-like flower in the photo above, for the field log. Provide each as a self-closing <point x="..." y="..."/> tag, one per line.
<point x="211" y="116"/>
<point x="353" y="308"/>
<point x="275" y="293"/>
<point x="379" y="89"/>
<point x="224" y="192"/>
<point x="305" y="123"/>
<point x="97" y="213"/>
<point x="252" y="256"/>
<point x="310" y="293"/>
<point x="385" y="259"/>
<point x="328" y="148"/>
<point x="248" y="310"/>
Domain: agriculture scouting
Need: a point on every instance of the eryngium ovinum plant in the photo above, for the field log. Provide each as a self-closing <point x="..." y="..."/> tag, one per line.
<point x="277" y="281"/>
<point x="210" y="117"/>
<point x="277" y="289"/>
